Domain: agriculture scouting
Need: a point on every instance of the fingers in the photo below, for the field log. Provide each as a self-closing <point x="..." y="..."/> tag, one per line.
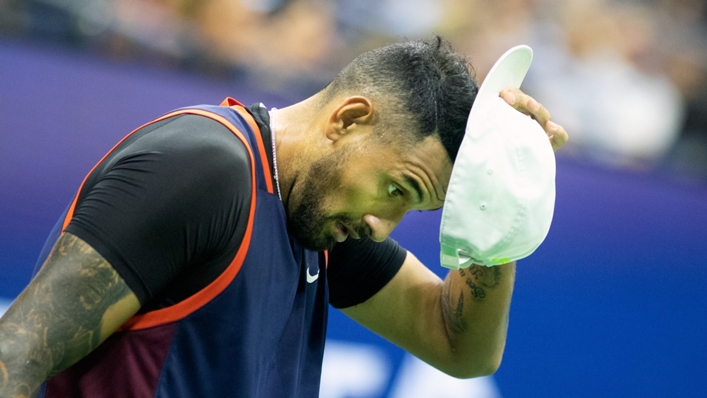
<point x="529" y="106"/>
<point x="557" y="134"/>
<point x="526" y="104"/>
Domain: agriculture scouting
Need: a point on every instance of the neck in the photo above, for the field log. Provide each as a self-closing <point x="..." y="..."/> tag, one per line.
<point x="294" y="127"/>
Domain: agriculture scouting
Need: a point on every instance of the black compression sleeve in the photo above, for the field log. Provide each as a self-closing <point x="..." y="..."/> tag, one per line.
<point x="359" y="268"/>
<point x="171" y="197"/>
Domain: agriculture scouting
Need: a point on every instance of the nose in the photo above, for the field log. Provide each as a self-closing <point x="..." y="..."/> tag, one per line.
<point x="380" y="227"/>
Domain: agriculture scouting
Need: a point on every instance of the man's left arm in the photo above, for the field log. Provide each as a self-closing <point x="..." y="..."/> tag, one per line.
<point x="457" y="325"/>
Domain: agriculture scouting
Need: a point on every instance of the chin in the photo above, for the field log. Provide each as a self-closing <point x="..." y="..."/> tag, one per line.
<point x="317" y="245"/>
<point x="314" y="243"/>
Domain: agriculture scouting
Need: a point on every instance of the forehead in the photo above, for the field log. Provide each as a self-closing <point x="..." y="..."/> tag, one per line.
<point x="431" y="150"/>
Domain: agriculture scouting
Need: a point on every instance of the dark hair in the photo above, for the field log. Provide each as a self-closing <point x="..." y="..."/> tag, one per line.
<point x="430" y="87"/>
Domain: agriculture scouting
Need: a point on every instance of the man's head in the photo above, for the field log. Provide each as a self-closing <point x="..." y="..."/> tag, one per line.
<point x="393" y="120"/>
<point x="421" y="89"/>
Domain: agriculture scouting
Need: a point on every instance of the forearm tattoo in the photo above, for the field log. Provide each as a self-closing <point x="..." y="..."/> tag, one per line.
<point x="57" y="319"/>
<point x="453" y="314"/>
<point x="478" y="280"/>
<point x="478" y="277"/>
<point x="488" y="277"/>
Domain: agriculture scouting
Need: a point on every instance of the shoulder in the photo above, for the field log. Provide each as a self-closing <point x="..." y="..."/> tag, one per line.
<point x="192" y="145"/>
<point x="182" y="156"/>
<point x="197" y="134"/>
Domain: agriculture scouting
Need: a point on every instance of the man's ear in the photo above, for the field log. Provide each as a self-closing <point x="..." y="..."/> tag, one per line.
<point x="351" y="113"/>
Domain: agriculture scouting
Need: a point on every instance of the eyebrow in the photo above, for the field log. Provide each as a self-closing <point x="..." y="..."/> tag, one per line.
<point x="416" y="186"/>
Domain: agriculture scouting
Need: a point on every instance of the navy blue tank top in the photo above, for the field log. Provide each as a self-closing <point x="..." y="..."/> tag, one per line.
<point x="258" y="330"/>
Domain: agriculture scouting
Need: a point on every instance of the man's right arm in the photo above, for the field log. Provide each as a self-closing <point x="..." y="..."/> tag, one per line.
<point x="73" y="304"/>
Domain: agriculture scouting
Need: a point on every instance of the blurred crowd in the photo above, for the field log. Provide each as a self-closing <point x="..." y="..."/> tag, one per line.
<point x="627" y="78"/>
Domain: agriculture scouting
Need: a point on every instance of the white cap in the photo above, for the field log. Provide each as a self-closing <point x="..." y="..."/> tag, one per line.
<point x="501" y="196"/>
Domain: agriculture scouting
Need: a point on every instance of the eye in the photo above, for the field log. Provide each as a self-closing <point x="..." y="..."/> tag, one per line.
<point x="394" y="190"/>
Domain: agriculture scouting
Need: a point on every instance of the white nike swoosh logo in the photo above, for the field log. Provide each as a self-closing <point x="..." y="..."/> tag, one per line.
<point x="312" y="278"/>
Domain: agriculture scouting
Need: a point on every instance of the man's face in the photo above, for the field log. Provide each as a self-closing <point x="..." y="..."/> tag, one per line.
<point x="364" y="188"/>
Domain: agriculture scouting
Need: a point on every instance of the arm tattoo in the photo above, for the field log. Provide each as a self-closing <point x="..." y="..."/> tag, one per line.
<point x="486" y="276"/>
<point x="57" y="319"/>
<point x="478" y="278"/>
<point x="453" y="316"/>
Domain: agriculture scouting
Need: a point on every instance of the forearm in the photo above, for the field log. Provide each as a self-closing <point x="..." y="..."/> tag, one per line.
<point x="457" y="325"/>
<point x="25" y="360"/>
<point x="475" y="305"/>
<point x="74" y="303"/>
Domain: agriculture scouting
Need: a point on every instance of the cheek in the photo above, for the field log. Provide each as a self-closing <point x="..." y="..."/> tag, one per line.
<point x="344" y="199"/>
<point x="355" y="195"/>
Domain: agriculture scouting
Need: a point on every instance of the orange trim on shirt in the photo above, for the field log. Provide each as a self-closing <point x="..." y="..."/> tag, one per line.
<point x="236" y="106"/>
<point x="208" y="293"/>
<point x="70" y="213"/>
<point x="205" y="295"/>
<point x="230" y="101"/>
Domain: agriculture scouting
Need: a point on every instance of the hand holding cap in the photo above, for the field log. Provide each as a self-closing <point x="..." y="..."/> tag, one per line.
<point x="501" y="195"/>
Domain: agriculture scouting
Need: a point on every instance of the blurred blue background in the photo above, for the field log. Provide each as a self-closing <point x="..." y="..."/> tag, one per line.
<point x="611" y="305"/>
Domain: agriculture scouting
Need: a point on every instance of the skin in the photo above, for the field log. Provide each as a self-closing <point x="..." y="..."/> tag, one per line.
<point x="373" y="186"/>
<point x="458" y="324"/>
<point x="73" y="304"/>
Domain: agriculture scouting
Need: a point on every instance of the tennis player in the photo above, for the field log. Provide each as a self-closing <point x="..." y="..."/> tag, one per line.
<point x="200" y="255"/>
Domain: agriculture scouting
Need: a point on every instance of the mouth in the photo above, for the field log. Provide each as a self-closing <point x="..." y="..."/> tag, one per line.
<point x="358" y="232"/>
<point x="340" y="232"/>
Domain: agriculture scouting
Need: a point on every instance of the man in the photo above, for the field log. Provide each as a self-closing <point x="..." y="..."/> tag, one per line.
<point x="201" y="253"/>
